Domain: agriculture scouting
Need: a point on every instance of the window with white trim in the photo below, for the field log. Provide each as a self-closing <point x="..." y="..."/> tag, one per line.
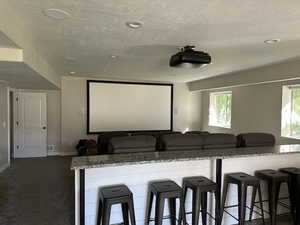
<point x="290" y="112"/>
<point x="220" y="109"/>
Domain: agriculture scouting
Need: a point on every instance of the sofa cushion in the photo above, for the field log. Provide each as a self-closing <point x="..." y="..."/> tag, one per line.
<point x="132" y="144"/>
<point x="103" y="140"/>
<point x="255" y="139"/>
<point x="181" y="142"/>
<point x="213" y="141"/>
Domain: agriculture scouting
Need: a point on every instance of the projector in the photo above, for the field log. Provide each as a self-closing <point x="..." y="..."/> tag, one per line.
<point x="188" y="55"/>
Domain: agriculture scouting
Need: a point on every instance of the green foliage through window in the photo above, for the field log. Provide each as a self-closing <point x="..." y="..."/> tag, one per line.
<point x="290" y="112"/>
<point x="295" y="118"/>
<point x="220" y="109"/>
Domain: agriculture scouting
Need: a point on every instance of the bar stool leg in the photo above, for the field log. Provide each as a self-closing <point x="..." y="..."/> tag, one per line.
<point x="261" y="204"/>
<point x="149" y="207"/>
<point x="273" y="189"/>
<point x="242" y="193"/>
<point x="184" y="188"/>
<point x="254" y="191"/>
<point x="297" y="206"/>
<point x="196" y="207"/>
<point x="225" y="189"/>
<point x="159" y="210"/>
<point x="182" y="215"/>
<point x="293" y="201"/>
<point x="172" y="208"/>
<point x="217" y="211"/>
<point x="125" y="213"/>
<point x="204" y="207"/>
<point x="131" y="211"/>
<point x="100" y="212"/>
<point x="106" y="214"/>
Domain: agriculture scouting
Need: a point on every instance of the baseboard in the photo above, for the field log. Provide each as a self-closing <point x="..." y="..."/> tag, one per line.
<point x="55" y="153"/>
<point x="68" y="153"/>
<point x="52" y="153"/>
<point x="2" y="168"/>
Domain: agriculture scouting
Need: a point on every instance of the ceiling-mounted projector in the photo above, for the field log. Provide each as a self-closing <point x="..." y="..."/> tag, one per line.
<point x="188" y="55"/>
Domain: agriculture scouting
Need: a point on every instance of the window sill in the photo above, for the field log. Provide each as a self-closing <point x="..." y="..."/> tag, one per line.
<point x="290" y="137"/>
<point x="219" y="126"/>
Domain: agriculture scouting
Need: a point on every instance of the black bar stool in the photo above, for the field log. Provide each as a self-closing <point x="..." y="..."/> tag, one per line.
<point x="119" y="194"/>
<point x="200" y="186"/>
<point x="274" y="180"/>
<point x="243" y="181"/>
<point x="294" y="174"/>
<point x="164" y="190"/>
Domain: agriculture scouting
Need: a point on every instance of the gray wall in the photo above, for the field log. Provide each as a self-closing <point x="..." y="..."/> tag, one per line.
<point x="255" y="108"/>
<point x="4" y="128"/>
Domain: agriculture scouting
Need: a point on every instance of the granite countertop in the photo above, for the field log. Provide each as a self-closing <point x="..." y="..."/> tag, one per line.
<point x="97" y="161"/>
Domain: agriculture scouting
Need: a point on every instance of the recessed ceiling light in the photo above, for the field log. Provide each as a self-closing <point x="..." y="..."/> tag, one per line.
<point x="272" y="41"/>
<point x="72" y="73"/>
<point x="57" y="14"/>
<point x="114" y="56"/>
<point x="134" y="24"/>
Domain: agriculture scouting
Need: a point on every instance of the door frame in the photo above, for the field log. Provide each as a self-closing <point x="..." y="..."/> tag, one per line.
<point x="16" y="92"/>
<point x="6" y="121"/>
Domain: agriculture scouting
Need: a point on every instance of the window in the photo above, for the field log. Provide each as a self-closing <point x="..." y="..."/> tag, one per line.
<point x="290" y="113"/>
<point x="220" y="109"/>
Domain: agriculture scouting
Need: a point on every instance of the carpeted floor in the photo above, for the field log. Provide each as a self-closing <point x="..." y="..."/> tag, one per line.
<point x="37" y="191"/>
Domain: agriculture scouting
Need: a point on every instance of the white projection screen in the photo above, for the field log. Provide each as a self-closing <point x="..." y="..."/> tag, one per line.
<point x="128" y="106"/>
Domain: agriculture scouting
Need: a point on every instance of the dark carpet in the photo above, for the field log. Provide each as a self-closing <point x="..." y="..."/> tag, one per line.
<point x="37" y="191"/>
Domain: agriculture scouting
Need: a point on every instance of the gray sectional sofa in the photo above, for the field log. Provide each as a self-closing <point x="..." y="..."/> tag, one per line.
<point x="124" y="142"/>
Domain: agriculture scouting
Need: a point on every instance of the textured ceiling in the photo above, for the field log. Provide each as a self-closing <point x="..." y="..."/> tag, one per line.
<point x="5" y="42"/>
<point x="233" y="32"/>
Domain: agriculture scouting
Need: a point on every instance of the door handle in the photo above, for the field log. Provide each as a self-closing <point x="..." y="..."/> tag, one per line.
<point x="44" y="128"/>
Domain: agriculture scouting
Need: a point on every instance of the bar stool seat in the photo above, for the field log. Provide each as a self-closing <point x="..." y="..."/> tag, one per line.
<point x="241" y="178"/>
<point x="115" y="192"/>
<point x="272" y="175"/>
<point x="200" y="186"/>
<point x="118" y="194"/>
<point x="274" y="180"/>
<point x="199" y="182"/>
<point x="291" y="170"/>
<point x="243" y="181"/>
<point x="164" y="190"/>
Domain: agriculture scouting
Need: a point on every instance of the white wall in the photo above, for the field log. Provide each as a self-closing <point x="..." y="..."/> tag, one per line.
<point x="54" y="120"/>
<point x="187" y="113"/>
<point x="255" y="108"/>
<point x="4" y="128"/>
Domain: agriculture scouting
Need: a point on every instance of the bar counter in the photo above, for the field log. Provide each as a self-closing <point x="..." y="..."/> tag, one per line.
<point x="88" y="162"/>
<point x="136" y="170"/>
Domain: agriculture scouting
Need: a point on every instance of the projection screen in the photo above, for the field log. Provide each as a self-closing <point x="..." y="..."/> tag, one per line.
<point x="128" y="106"/>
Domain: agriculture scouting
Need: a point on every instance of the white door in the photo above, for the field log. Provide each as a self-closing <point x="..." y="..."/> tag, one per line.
<point x="30" y="125"/>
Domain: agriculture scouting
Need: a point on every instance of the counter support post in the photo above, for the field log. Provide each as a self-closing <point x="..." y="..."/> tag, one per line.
<point x="82" y="196"/>
<point x="219" y="187"/>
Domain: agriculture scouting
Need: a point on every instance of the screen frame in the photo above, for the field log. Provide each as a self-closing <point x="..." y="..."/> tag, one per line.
<point x="132" y="83"/>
